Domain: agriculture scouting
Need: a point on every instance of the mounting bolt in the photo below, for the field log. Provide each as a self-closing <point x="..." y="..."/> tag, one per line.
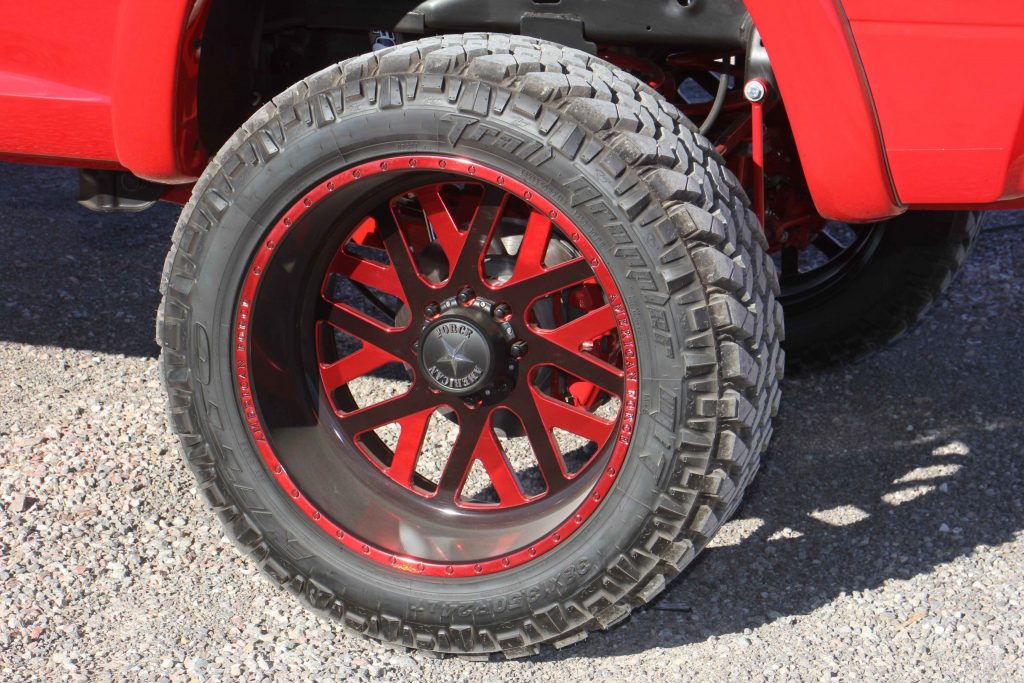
<point x="466" y="295"/>
<point x="431" y="310"/>
<point x="518" y="349"/>
<point x="754" y="91"/>
<point x="501" y="311"/>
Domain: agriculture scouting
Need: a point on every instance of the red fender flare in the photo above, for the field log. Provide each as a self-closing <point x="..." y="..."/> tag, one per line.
<point x="153" y="98"/>
<point x="822" y="82"/>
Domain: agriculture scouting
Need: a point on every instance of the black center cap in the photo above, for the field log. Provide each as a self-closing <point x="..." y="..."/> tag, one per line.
<point x="456" y="355"/>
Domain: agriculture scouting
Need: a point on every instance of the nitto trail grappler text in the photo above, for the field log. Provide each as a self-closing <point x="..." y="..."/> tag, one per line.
<point x="472" y="343"/>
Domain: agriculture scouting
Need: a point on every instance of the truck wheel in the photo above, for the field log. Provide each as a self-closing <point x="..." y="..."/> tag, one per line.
<point x="471" y="343"/>
<point x="861" y="286"/>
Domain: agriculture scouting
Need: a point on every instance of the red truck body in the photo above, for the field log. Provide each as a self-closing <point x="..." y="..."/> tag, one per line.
<point x="894" y="106"/>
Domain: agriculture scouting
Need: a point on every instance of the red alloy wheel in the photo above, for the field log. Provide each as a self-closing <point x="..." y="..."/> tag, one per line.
<point x="469" y="375"/>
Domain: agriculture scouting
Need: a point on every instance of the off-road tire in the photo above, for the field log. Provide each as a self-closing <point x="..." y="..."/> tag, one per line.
<point x="685" y="249"/>
<point x="913" y="260"/>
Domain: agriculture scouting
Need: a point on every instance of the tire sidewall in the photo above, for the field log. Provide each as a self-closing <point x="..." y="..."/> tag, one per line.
<point x="307" y="156"/>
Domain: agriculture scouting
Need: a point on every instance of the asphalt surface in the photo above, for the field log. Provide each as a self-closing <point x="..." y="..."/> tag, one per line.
<point x="882" y="540"/>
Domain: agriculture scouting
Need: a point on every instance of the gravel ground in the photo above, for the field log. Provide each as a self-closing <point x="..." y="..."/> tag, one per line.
<point x="883" y="539"/>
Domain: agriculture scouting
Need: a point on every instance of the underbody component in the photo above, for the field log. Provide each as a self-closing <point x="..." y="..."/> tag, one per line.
<point x="116" y="191"/>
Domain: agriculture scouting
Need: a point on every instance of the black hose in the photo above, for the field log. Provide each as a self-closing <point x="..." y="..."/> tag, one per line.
<point x="716" y="107"/>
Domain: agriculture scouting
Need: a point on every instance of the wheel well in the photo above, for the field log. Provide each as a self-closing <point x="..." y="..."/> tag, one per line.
<point x="253" y="49"/>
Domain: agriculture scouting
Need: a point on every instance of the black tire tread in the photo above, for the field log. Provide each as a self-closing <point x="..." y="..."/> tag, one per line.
<point x="713" y="258"/>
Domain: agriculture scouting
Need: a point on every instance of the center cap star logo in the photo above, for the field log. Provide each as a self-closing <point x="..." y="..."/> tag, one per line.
<point x="453" y="355"/>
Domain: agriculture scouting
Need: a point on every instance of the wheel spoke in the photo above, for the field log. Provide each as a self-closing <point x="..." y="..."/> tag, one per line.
<point x="466" y="267"/>
<point x="554" y="279"/>
<point x="533" y="248"/>
<point x="582" y="365"/>
<point x="364" y="328"/>
<point x="386" y="412"/>
<point x="410" y="441"/>
<point x="828" y="245"/>
<point x="502" y="476"/>
<point x="460" y="459"/>
<point x="523" y="404"/>
<point x="441" y="221"/>
<point x="790" y="261"/>
<point x="366" y="272"/>
<point x="356" y="364"/>
<point x="560" y="414"/>
<point x="402" y="262"/>
<point x="587" y="327"/>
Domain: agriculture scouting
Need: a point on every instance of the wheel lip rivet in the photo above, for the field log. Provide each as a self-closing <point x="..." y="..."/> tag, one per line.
<point x="478" y="568"/>
<point x="330" y="186"/>
<point x="532" y="552"/>
<point x="316" y="516"/>
<point x="357" y="173"/>
<point x="449" y="570"/>
<point x="307" y="201"/>
<point x="505" y="562"/>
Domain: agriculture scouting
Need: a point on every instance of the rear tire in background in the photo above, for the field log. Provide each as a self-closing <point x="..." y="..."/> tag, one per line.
<point x="615" y="247"/>
<point x="868" y="284"/>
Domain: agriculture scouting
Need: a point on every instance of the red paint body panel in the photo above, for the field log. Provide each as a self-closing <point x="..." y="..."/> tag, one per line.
<point x="100" y="84"/>
<point x="894" y="105"/>
<point x="56" y="62"/>
<point x="829" y="105"/>
<point x="946" y="84"/>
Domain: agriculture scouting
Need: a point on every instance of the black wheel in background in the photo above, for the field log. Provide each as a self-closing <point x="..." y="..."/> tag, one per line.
<point x="857" y="288"/>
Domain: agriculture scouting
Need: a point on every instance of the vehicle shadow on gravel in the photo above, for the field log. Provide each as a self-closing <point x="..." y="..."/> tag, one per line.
<point x="877" y="473"/>
<point x="73" y="278"/>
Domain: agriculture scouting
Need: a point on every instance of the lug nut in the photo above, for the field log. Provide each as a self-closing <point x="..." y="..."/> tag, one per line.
<point x="431" y="310"/>
<point x="501" y="311"/>
<point x="466" y="295"/>
<point x="518" y="349"/>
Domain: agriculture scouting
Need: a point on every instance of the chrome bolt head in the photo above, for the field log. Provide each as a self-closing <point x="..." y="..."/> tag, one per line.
<point x="754" y="91"/>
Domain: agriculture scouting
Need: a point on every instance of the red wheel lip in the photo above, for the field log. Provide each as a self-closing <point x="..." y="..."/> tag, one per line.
<point x="628" y="408"/>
